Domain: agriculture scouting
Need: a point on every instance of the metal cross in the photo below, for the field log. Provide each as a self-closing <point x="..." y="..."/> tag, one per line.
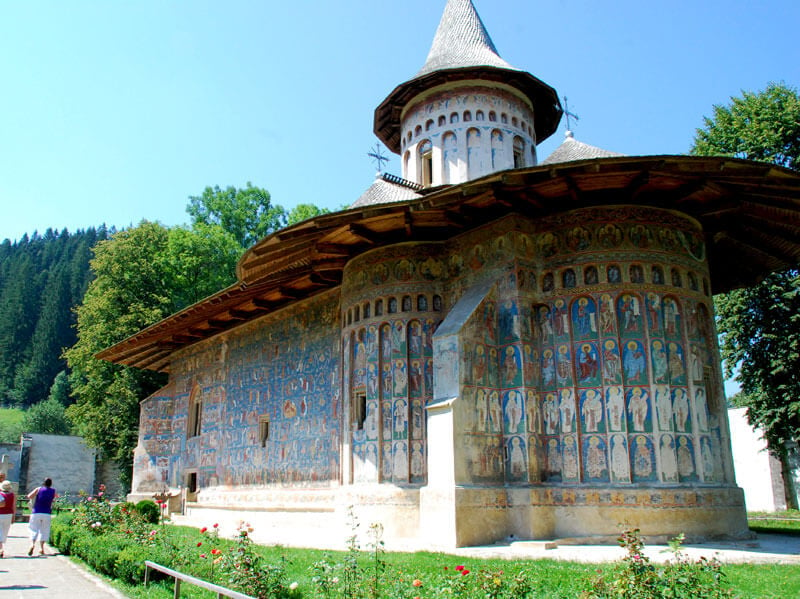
<point x="376" y="155"/>
<point x="568" y="114"/>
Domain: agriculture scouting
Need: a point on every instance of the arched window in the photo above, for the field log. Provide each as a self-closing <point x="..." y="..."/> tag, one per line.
<point x="504" y="118"/>
<point x="194" y="424"/>
<point x="467" y="116"/>
<point x="676" y="278"/>
<point x="453" y="118"/>
<point x="442" y="121"/>
<point x="514" y="121"/>
<point x="379" y="307"/>
<point x="519" y="152"/>
<point x="568" y="279"/>
<point x="408" y="137"/>
<point x="418" y="130"/>
<point x="406" y="161"/>
<point x="492" y="116"/>
<point x="428" y="124"/>
<point x="426" y="163"/>
<point x="524" y="126"/>
<point x="547" y="282"/>
<point x="366" y="310"/>
<point x="693" y="282"/>
<point x="657" y="275"/>
<point x="479" y="115"/>
<point x="636" y="273"/>
<point x="392" y="305"/>
<point x="406" y="304"/>
<point x="422" y="303"/>
<point x="437" y="303"/>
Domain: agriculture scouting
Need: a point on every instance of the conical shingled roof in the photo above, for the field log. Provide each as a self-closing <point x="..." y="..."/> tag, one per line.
<point x="463" y="51"/>
<point x="571" y="149"/>
<point x="461" y="41"/>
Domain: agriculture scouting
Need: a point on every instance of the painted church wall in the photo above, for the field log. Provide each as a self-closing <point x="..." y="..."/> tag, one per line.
<point x="269" y="408"/>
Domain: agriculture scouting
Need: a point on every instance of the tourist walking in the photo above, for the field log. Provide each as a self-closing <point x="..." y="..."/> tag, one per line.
<point x="42" y="509"/>
<point x="8" y="506"/>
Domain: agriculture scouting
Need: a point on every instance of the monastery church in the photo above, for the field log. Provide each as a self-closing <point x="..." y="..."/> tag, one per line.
<point x="488" y="345"/>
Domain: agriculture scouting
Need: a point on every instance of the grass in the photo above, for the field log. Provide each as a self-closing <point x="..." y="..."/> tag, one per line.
<point x="554" y="579"/>
<point x="785" y="522"/>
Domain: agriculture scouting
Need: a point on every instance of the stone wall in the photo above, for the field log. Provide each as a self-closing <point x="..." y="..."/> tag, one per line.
<point x="65" y="459"/>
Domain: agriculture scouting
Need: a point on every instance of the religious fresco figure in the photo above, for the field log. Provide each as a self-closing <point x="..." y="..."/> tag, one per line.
<point x="680" y="410"/>
<point x="415" y="378"/>
<point x="569" y="459"/>
<point x="417" y="460"/>
<point x="611" y="362"/>
<point x="532" y="412"/>
<point x="566" y="407"/>
<point x="677" y="370"/>
<point x="479" y="365"/>
<point x="545" y="327"/>
<point x="508" y="321"/>
<point x="551" y="414"/>
<point x="564" y="366"/>
<point x="663" y="407"/>
<point x="516" y="452"/>
<point x="633" y="360"/>
<point x="401" y="466"/>
<point x="588" y="365"/>
<point x="613" y="274"/>
<point x="553" y="460"/>
<point x="590" y="276"/>
<point x="701" y="409"/>
<point x="607" y="322"/>
<point x="642" y="458"/>
<point x="686" y="469"/>
<point x="619" y="459"/>
<point x="511" y="367"/>
<point x="548" y="369"/>
<point x="584" y="318"/>
<point x="669" y="464"/>
<point x="489" y="322"/>
<point x="697" y="363"/>
<point x="658" y="355"/>
<point x="653" y="306"/>
<point x="629" y="315"/>
<point x="400" y="378"/>
<point x="595" y="463"/>
<point x="615" y="404"/>
<point x="495" y="413"/>
<point x="709" y="462"/>
<point x="400" y="417"/>
<point x="638" y="409"/>
<point x="591" y="410"/>
<point x="560" y="319"/>
<point x="671" y="318"/>
<point x="513" y="411"/>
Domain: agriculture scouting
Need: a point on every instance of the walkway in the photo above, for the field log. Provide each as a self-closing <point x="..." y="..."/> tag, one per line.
<point x="45" y="577"/>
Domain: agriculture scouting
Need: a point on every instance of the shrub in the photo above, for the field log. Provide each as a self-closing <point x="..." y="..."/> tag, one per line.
<point x="680" y="577"/>
<point x="149" y="510"/>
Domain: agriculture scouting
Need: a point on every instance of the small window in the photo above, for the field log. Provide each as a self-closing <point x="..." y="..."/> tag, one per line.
<point x="366" y="310"/>
<point x="442" y="121"/>
<point x="195" y="416"/>
<point x="676" y="278"/>
<point x="359" y="411"/>
<point x="568" y="279"/>
<point x="454" y="117"/>
<point x="191" y="482"/>
<point x="409" y="136"/>
<point x="492" y="116"/>
<point x="428" y="124"/>
<point x="407" y="303"/>
<point x="418" y="130"/>
<point x="657" y="275"/>
<point x="467" y="116"/>
<point x="392" y="305"/>
<point x="693" y="282"/>
<point x="636" y="274"/>
<point x="263" y="430"/>
<point x="357" y="314"/>
<point x="519" y="152"/>
<point x="524" y="126"/>
<point x="422" y="303"/>
<point x="437" y="303"/>
<point x="613" y="274"/>
<point x="504" y="118"/>
<point x="379" y="307"/>
<point x="547" y="282"/>
<point x="479" y="116"/>
<point x="513" y="121"/>
<point x="426" y="162"/>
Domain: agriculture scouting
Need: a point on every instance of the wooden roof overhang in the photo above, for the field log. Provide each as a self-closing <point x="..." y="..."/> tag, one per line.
<point x="750" y="213"/>
<point x="547" y="109"/>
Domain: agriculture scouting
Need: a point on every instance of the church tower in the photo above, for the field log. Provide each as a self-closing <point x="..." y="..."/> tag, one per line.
<point x="467" y="113"/>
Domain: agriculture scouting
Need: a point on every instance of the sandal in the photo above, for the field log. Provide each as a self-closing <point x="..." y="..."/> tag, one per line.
<point x="30" y="552"/>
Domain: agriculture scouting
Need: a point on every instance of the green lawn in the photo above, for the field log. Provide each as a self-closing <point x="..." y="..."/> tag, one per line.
<point x="785" y="522"/>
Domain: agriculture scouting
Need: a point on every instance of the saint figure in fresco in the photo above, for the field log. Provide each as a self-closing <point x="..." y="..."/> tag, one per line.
<point x="615" y="401"/>
<point x="633" y="360"/>
<point x="685" y="459"/>
<point x="669" y="467"/>
<point x="592" y="410"/>
<point x="551" y="414"/>
<point x="680" y="409"/>
<point x="587" y="363"/>
<point x="606" y="314"/>
<point x="567" y="408"/>
<point x="638" y="408"/>
<point x="595" y="458"/>
<point x="619" y="458"/>
<point x="642" y="458"/>
<point x="611" y="361"/>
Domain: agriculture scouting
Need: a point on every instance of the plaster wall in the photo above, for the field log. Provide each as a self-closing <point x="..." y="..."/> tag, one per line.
<point x="65" y="459"/>
<point x="471" y="131"/>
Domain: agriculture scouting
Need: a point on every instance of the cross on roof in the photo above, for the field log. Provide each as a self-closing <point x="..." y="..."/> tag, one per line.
<point x="378" y="157"/>
<point x="568" y="114"/>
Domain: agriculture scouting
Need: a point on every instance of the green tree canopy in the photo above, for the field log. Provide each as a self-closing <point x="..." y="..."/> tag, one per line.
<point x="47" y="417"/>
<point x="762" y="126"/>
<point x="247" y="214"/>
<point x="760" y="326"/>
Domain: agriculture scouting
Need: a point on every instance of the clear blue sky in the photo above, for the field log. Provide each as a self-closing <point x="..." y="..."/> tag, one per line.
<point x="112" y="112"/>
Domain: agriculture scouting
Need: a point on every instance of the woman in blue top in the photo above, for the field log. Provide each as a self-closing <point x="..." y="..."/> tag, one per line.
<point x="39" y="524"/>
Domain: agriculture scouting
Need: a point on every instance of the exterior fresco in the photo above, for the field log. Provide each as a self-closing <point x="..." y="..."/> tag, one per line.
<point x="253" y="378"/>
<point x="586" y="357"/>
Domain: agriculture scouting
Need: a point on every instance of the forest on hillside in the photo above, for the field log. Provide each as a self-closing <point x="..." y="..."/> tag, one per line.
<point x="43" y="278"/>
